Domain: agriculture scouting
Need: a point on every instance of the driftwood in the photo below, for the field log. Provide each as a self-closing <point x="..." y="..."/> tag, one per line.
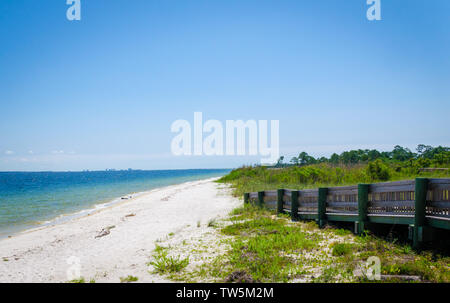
<point x="105" y="231"/>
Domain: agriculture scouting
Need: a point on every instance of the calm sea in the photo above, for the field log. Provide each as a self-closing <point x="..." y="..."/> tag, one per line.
<point x="32" y="199"/>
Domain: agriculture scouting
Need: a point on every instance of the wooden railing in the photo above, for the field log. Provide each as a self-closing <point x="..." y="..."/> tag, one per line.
<point x="419" y="203"/>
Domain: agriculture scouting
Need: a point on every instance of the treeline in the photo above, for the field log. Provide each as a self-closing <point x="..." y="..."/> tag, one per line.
<point x="426" y="154"/>
<point x="348" y="168"/>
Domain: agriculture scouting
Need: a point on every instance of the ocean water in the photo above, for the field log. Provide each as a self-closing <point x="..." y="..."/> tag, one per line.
<point x="33" y="199"/>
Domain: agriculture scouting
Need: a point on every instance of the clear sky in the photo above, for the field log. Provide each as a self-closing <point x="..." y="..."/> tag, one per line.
<point x="103" y="92"/>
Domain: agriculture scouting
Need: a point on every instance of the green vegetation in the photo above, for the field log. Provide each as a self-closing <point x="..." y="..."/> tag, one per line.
<point x="257" y="245"/>
<point x="163" y="263"/>
<point x="428" y="156"/>
<point x="342" y="249"/>
<point x="128" y="279"/>
<point x="399" y="259"/>
<point x="80" y="280"/>
<point x="212" y="223"/>
<point x="271" y="249"/>
<point x="265" y="248"/>
<point x="349" y="168"/>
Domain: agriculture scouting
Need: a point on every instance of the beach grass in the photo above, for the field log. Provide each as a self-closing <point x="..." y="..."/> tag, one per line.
<point x="272" y="249"/>
<point x="128" y="279"/>
<point x="261" y="246"/>
<point x="163" y="263"/>
<point x="77" y="281"/>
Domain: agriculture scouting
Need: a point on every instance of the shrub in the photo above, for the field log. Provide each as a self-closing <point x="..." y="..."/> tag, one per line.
<point x="165" y="264"/>
<point x="378" y="170"/>
<point x="79" y="280"/>
<point x="341" y="249"/>
<point x="128" y="279"/>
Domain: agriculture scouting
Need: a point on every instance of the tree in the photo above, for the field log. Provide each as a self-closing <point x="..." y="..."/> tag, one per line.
<point x="305" y="159"/>
<point x="442" y="158"/>
<point x="386" y="155"/>
<point x="377" y="170"/>
<point x="426" y="151"/>
<point x="350" y="157"/>
<point x="280" y="161"/>
<point x="423" y="149"/>
<point x="402" y="154"/>
<point x="322" y="160"/>
<point x="334" y="158"/>
<point x="373" y="154"/>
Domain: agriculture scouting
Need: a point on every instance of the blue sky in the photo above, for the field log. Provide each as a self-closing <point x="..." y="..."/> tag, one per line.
<point x="102" y="92"/>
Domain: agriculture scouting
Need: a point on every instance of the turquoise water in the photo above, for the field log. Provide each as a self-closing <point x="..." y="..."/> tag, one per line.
<point x="31" y="199"/>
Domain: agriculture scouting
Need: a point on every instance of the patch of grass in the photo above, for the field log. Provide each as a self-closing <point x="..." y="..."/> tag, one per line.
<point x="265" y="249"/>
<point x="268" y="248"/>
<point x="79" y="280"/>
<point x="342" y="249"/>
<point x="261" y="246"/>
<point x="212" y="223"/>
<point x="163" y="263"/>
<point x="397" y="259"/>
<point x="422" y="265"/>
<point x="249" y="211"/>
<point x="328" y="275"/>
<point x="160" y="249"/>
<point x="342" y="232"/>
<point x="128" y="279"/>
<point x="237" y="211"/>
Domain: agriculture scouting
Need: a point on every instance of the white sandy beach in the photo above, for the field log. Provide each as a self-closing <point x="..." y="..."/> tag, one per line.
<point x="45" y="254"/>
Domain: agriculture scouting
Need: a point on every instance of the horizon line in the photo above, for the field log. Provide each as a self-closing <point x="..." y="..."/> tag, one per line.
<point x="104" y="170"/>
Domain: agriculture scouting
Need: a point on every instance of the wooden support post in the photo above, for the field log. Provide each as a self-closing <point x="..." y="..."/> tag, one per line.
<point x="260" y="198"/>
<point x="246" y="198"/>
<point x="420" y="194"/>
<point x="322" y="207"/>
<point x="363" y="201"/>
<point x="280" y="194"/>
<point x="294" y="205"/>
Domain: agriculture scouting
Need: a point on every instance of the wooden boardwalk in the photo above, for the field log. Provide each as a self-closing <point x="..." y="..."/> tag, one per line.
<point x="421" y="204"/>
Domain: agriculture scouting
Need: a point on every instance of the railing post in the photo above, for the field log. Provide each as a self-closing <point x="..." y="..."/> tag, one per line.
<point x="260" y="198"/>
<point x="420" y="195"/>
<point x="280" y="194"/>
<point x="246" y="198"/>
<point x="363" y="201"/>
<point x="294" y="205"/>
<point x="322" y="207"/>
